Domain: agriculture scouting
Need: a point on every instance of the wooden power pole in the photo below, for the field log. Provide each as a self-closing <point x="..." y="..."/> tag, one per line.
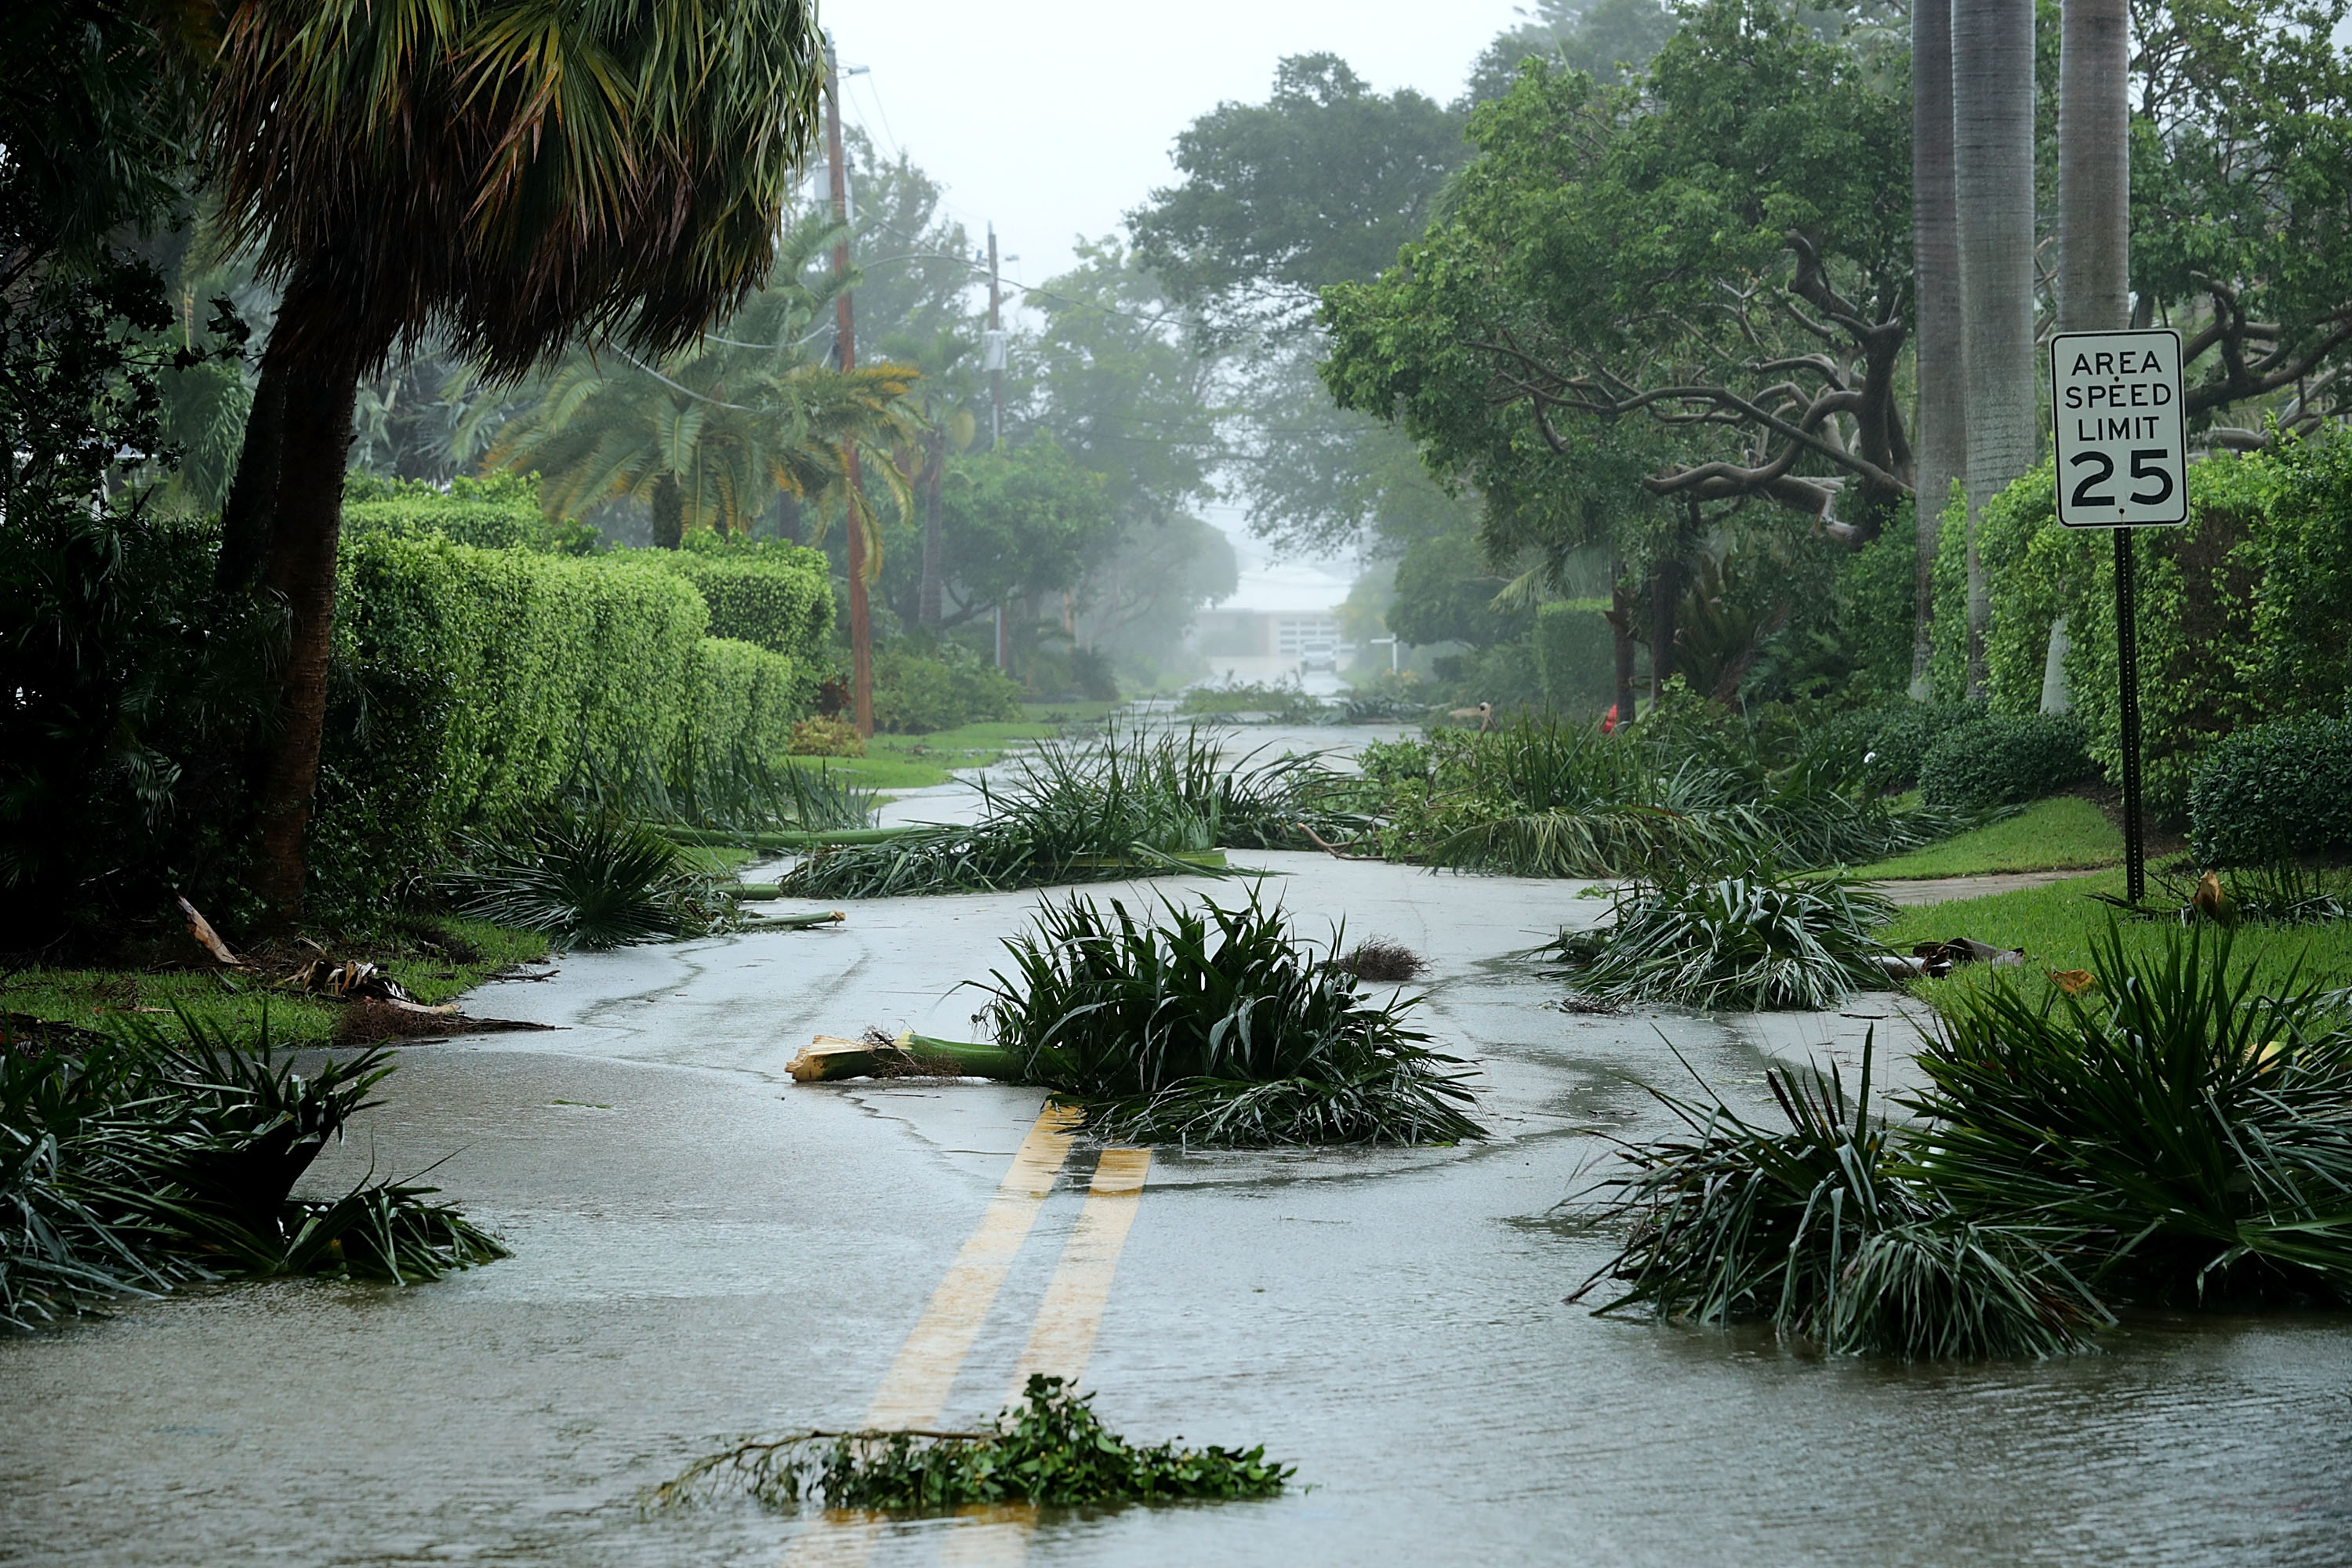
<point x="861" y="624"/>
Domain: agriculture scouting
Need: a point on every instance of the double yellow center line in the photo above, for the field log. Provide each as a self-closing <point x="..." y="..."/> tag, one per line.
<point x="914" y="1392"/>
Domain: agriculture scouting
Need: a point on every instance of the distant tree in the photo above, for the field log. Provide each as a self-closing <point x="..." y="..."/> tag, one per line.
<point x="1318" y="184"/>
<point x="1019" y="522"/>
<point x="498" y="177"/>
<point x="1608" y="40"/>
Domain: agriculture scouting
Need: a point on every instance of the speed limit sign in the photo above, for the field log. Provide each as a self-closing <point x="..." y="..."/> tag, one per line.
<point x="2121" y="459"/>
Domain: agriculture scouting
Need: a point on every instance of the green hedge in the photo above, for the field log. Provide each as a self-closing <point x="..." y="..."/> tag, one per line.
<point x="2275" y="791"/>
<point x="1576" y="657"/>
<point x="472" y="682"/>
<point x="501" y="512"/>
<point x="2004" y="758"/>
<point x="776" y="596"/>
<point x="2244" y="615"/>
<point x="1884" y="746"/>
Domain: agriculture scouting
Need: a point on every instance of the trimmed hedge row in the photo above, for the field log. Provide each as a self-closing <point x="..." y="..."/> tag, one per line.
<point x="777" y="597"/>
<point x="2274" y="792"/>
<point x="1576" y="657"/>
<point x="474" y="682"/>
<point x="501" y="512"/>
<point x="2246" y="613"/>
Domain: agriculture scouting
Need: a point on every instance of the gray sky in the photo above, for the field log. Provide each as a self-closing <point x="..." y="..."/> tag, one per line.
<point x="1055" y="117"/>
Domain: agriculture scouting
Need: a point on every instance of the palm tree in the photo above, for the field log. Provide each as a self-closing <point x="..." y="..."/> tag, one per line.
<point x="947" y="397"/>
<point x="498" y="176"/>
<point x="1936" y="291"/>
<point x="708" y="434"/>
<point x="2095" y="167"/>
<point x="1992" y="145"/>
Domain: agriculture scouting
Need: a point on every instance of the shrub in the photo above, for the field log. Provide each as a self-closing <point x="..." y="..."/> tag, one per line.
<point x="2192" y="1135"/>
<point x="474" y="685"/>
<point x="776" y="596"/>
<point x="586" y="880"/>
<point x="1884" y="746"/>
<point x="1753" y="940"/>
<point x="819" y="736"/>
<point x="2245" y="615"/>
<point x="1217" y="1026"/>
<point x="2272" y="791"/>
<point x="501" y="512"/>
<point x="1820" y="1231"/>
<point x="2004" y="761"/>
<point x="137" y="1161"/>
<point x="917" y="692"/>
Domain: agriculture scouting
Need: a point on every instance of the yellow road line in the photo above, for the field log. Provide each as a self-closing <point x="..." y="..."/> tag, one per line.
<point x="1063" y="1338"/>
<point x="990" y="1535"/>
<point x="915" y="1390"/>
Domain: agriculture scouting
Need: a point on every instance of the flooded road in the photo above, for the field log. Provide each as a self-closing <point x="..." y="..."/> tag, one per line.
<point x="704" y="1250"/>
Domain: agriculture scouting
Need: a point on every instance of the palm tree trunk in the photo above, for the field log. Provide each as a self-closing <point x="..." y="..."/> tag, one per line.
<point x="300" y="572"/>
<point x="1936" y="293"/>
<point x="2095" y="167"/>
<point x="928" y="606"/>
<point x="668" y="503"/>
<point x="1993" y="143"/>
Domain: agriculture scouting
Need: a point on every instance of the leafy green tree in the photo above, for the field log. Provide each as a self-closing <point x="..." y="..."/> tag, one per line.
<point x="2241" y="200"/>
<point x="1018" y="522"/>
<point x="495" y="174"/>
<point x="1318" y="184"/>
<point x="1724" y="254"/>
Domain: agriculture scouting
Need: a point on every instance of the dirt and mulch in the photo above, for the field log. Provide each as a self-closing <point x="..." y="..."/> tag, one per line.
<point x="347" y="992"/>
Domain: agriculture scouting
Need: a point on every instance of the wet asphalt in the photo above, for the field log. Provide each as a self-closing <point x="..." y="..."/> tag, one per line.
<point x="704" y="1250"/>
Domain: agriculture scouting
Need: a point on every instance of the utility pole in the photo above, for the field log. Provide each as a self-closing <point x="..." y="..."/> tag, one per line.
<point x="991" y="358"/>
<point x="861" y="628"/>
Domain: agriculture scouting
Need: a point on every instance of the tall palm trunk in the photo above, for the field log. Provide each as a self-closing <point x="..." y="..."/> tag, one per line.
<point x="1936" y="291"/>
<point x="2093" y="208"/>
<point x="667" y="504"/>
<point x="1992" y="144"/>
<point x="279" y="532"/>
<point x="929" y="606"/>
<point x="2095" y="167"/>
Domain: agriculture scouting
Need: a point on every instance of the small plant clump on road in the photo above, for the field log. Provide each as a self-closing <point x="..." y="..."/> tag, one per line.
<point x="2163" y="1135"/>
<point x="588" y="880"/>
<point x="140" y="1159"/>
<point x="1755" y="940"/>
<point x="1217" y="1026"/>
<point x="1050" y="1449"/>
<point x="1134" y="805"/>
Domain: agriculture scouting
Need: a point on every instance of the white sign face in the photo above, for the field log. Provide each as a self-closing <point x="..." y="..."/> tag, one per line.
<point x="2123" y="461"/>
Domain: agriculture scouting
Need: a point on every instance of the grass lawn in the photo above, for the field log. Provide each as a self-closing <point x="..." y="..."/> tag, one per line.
<point x="919" y="761"/>
<point x="2056" y="924"/>
<point x="2065" y="833"/>
<point x="468" y="952"/>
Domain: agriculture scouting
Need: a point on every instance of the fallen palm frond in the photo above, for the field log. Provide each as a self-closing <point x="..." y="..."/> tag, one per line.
<point x="1817" y="1231"/>
<point x="1216" y="1026"/>
<point x="733" y="794"/>
<point x="149" y="1157"/>
<point x="1049" y="1449"/>
<point x="1756" y="941"/>
<point x="2163" y="1135"/>
<point x="2199" y="1132"/>
<point x="1141" y="804"/>
<point x="588" y="881"/>
<point x="1544" y="798"/>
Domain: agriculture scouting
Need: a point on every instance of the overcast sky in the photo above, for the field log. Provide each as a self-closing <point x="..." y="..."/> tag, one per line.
<point x="1055" y="116"/>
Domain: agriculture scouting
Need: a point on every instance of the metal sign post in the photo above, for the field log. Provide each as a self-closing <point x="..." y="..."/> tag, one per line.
<point x="2123" y="463"/>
